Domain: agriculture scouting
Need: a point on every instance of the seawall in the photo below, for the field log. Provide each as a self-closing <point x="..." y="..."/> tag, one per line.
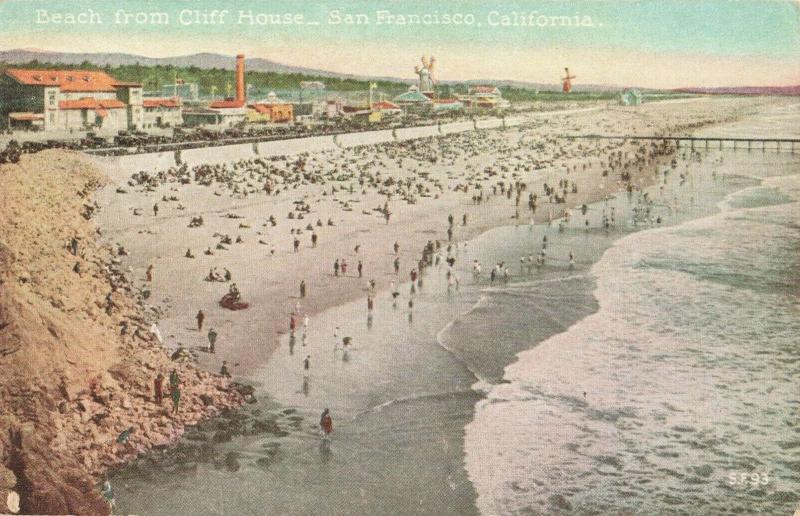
<point x="120" y="168"/>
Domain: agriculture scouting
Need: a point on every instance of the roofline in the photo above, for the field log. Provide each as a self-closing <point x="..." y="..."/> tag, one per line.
<point x="114" y="84"/>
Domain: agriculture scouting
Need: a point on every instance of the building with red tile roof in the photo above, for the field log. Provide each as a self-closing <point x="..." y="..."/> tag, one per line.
<point x="227" y="104"/>
<point x="91" y="103"/>
<point x="69" y="80"/>
<point x="162" y="112"/>
<point x="386" y="107"/>
<point x="161" y="103"/>
<point x="72" y="100"/>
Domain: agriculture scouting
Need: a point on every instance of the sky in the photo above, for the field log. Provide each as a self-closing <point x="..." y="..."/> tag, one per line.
<point x="648" y="43"/>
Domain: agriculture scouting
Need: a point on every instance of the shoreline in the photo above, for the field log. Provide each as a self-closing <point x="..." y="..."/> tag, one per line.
<point x="411" y="220"/>
<point x="275" y="297"/>
<point x="162" y="464"/>
<point x="542" y="376"/>
<point x="79" y="358"/>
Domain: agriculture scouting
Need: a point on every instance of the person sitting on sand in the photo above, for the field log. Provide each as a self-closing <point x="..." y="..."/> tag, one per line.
<point x="223" y="371"/>
<point x="233" y="291"/>
<point x="123" y="437"/>
<point x="189" y="254"/>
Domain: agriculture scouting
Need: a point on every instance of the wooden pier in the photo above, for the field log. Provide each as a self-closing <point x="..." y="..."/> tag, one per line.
<point x="700" y="141"/>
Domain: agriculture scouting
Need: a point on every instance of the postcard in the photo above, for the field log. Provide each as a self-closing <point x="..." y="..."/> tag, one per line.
<point x="283" y="257"/>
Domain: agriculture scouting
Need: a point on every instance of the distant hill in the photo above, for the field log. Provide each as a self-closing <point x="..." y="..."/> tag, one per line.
<point x="209" y="61"/>
<point x="203" y="60"/>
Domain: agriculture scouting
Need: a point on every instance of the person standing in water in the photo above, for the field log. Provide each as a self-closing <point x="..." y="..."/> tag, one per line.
<point x="326" y="423"/>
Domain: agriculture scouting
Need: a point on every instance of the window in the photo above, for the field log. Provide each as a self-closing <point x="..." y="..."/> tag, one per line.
<point x="51" y="98"/>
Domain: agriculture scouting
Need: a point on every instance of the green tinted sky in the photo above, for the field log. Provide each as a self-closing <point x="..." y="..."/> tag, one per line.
<point x="653" y="33"/>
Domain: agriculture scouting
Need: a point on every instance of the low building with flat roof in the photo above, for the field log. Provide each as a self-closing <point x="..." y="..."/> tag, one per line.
<point x="484" y="97"/>
<point x="275" y="113"/>
<point x="160" y="112"/>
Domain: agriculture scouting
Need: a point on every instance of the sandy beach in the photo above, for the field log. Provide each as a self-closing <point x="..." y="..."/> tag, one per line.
<point x="147" y="243"/>
<point x="428" y="179"/>
<point x="414" y="380"/>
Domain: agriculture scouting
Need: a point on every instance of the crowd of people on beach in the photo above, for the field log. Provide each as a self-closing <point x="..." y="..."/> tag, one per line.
<point x="533" y="185"/>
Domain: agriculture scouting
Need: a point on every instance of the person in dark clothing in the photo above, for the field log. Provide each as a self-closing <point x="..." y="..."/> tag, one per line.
<point x="326" y="423"/>
<point x="158" y="388"/>
<point x="176" y="398"/>
<point x="212" y="340"/>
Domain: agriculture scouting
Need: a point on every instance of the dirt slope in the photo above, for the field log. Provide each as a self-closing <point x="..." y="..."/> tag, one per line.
<point x="77" y="357"/>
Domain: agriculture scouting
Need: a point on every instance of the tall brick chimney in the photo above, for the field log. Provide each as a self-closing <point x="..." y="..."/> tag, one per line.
<point x="240" y="89"/>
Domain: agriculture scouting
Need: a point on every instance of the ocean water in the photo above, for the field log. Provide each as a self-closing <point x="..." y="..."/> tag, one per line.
<point x="679" y="395"/>
<point x="679" y="333"/>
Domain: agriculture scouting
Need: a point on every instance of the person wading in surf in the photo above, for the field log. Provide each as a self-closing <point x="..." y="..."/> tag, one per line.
<point x="326" y="423"/>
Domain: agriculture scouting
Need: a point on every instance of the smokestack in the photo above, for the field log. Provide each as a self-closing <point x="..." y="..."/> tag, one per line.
<point x="240" y="89"/>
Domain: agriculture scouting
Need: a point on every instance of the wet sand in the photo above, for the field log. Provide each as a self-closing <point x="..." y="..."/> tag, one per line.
<point x="270" y="283"/>
<point x="415" y="427"/>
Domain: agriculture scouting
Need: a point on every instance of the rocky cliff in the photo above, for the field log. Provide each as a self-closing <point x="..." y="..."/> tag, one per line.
<point x="77" y="356"/>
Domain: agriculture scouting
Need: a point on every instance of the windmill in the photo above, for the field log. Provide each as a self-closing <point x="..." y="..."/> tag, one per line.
<point x="566" y="82"/>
